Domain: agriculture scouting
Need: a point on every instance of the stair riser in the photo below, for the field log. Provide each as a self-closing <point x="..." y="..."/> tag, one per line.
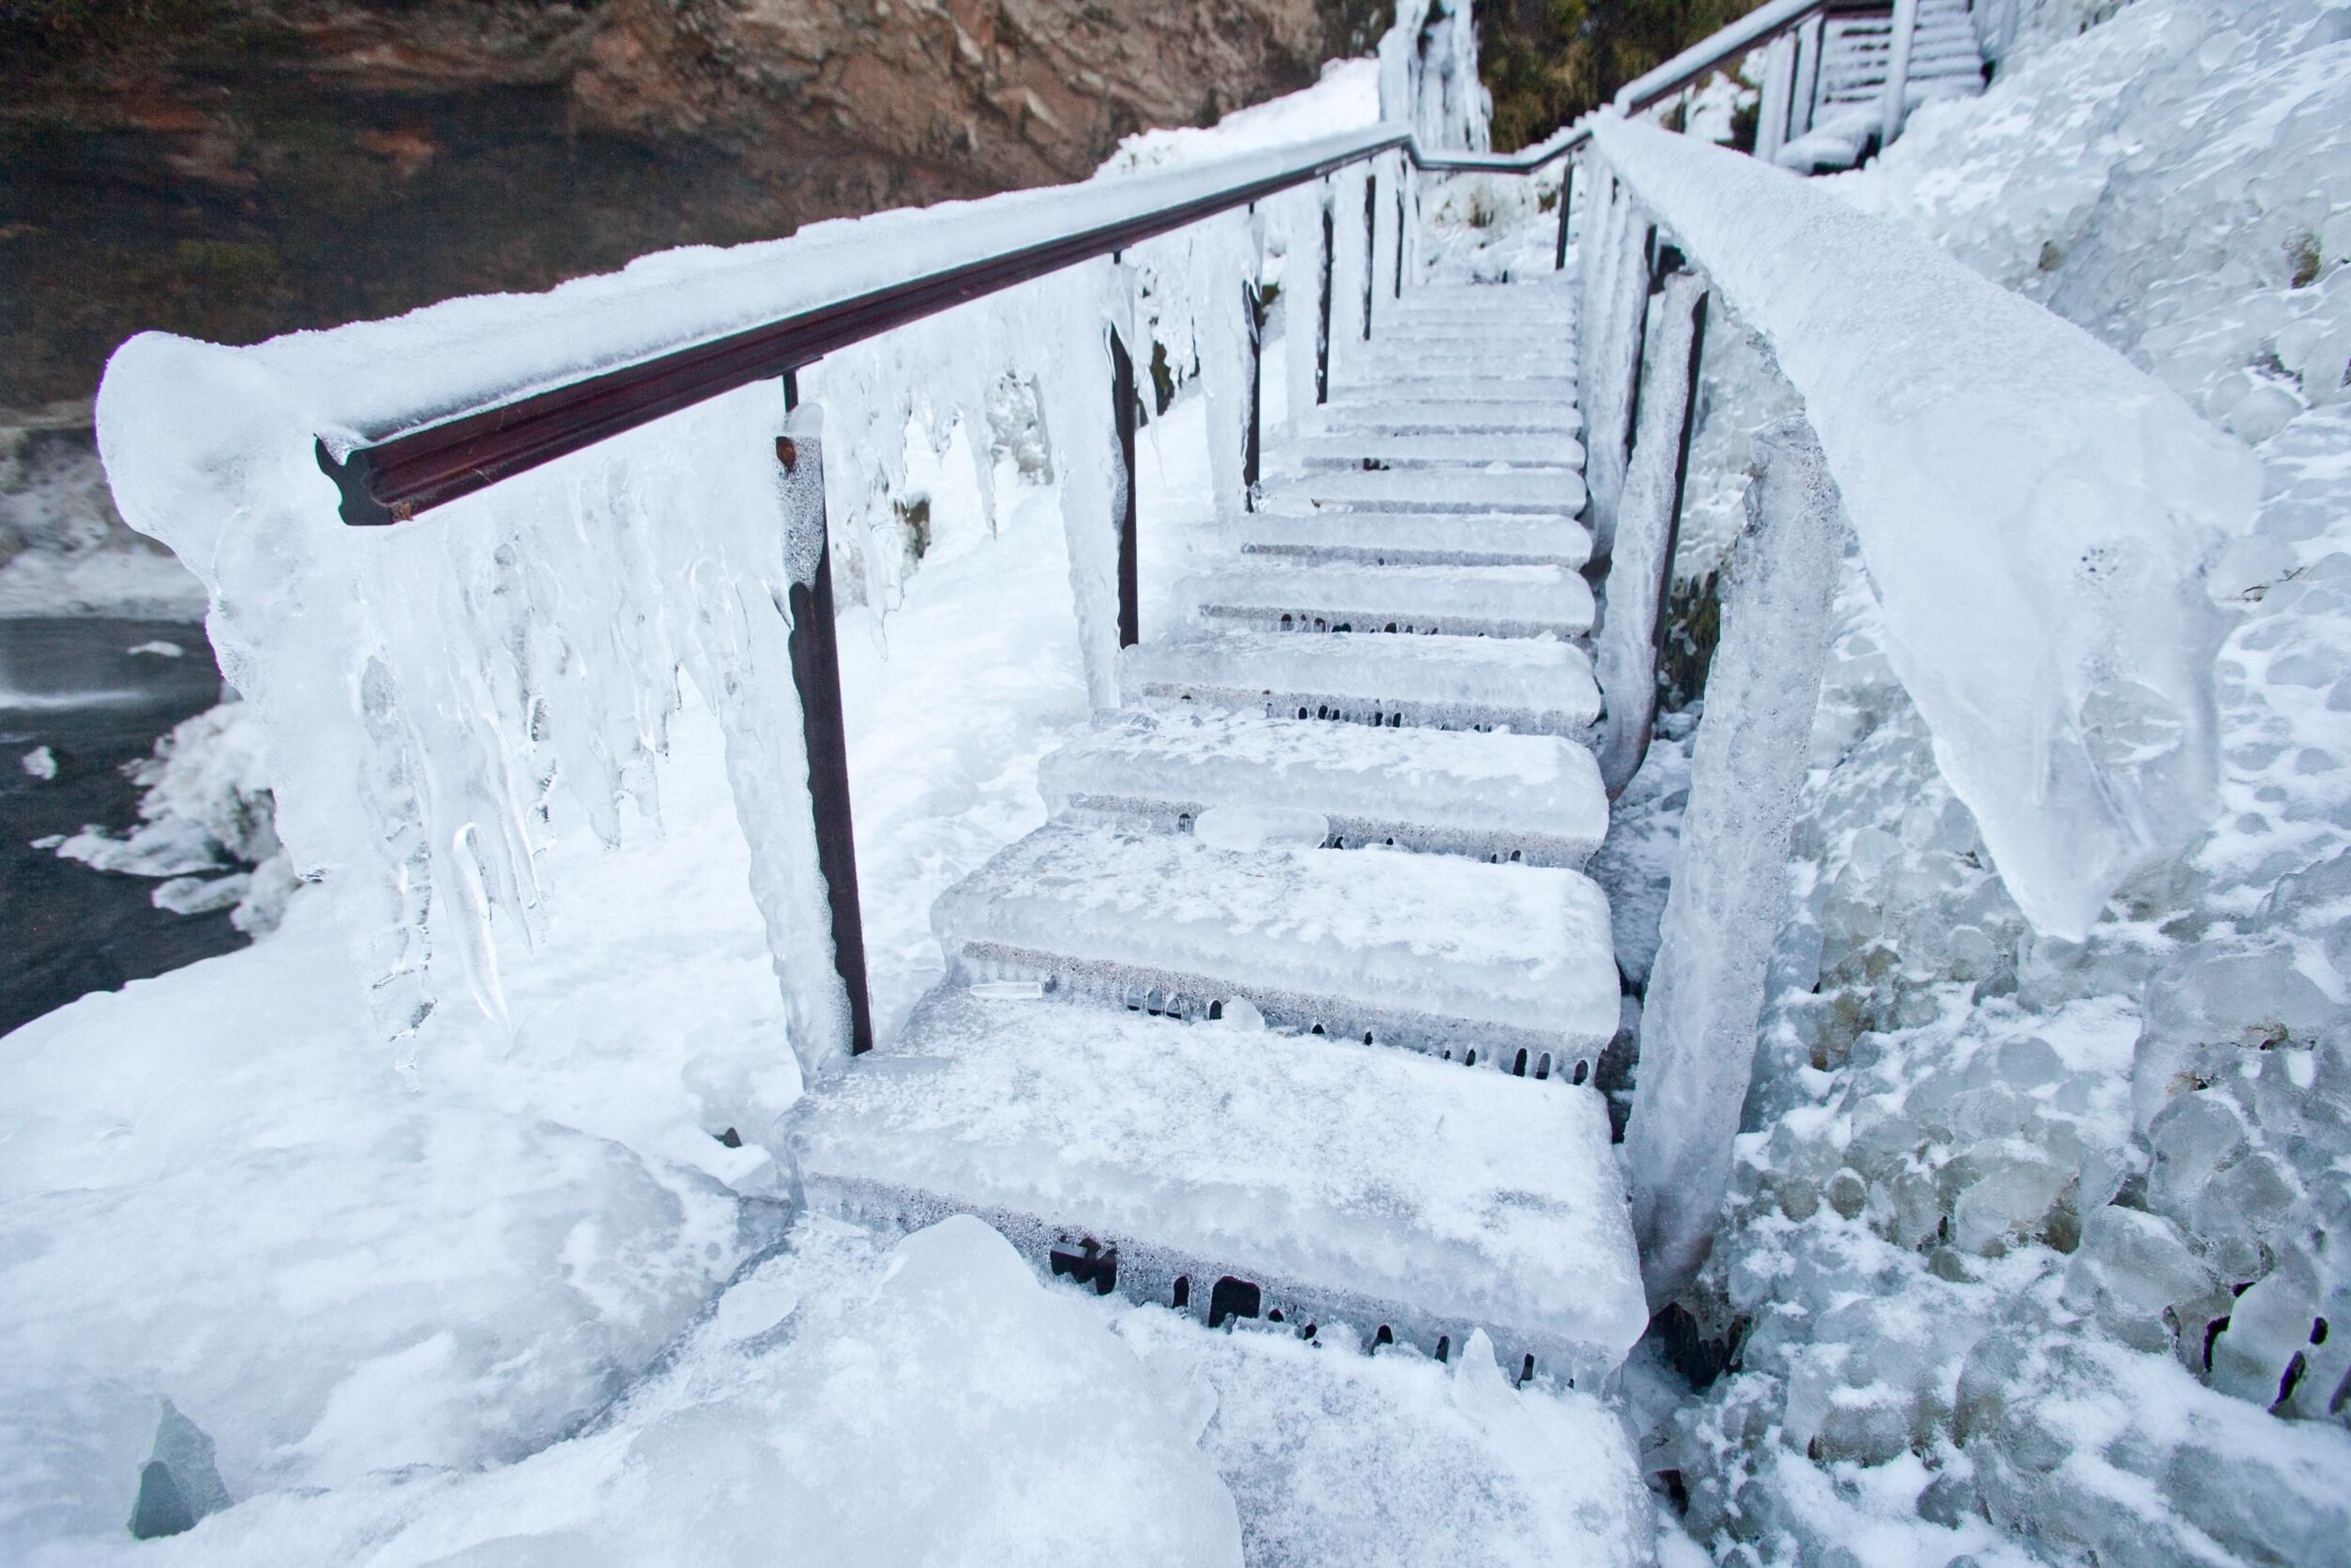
<point x="1146" y="1274"/>
<point x="1368" y="710"/>
<point x="1355" y="832"/>
<point x="1367" y="622"/>
<point x="1142" y="988"/>
<point x="1471" y="462"/>
<point x="1384" y="555"/>
<point x="1475" y="505"/>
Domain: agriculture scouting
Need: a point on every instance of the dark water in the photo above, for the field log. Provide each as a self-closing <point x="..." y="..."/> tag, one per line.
<point x="74" y="686"/>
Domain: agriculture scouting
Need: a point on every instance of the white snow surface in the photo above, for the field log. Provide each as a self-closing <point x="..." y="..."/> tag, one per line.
<point x="844" y="1405"/>
<point x="377" y="1275"/>
<point x="2028" y="1240"/>
<point x="2036" y="515"/>
<point x="1384" y="1174"/>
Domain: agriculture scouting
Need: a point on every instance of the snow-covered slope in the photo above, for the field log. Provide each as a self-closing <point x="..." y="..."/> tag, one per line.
<point x="2036" y="1246"/>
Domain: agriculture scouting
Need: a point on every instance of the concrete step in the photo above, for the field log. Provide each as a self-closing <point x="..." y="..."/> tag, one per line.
<point x="1412" y="539"/>
<point x="1535" y="798"/>
<point x="1530" y="685"/>
<point x="1437" y="954"/>
<point x="1275" y="595"/>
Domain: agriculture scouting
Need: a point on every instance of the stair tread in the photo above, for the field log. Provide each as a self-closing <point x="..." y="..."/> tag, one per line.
<point x="1446" y="386"/>
<point x="1482" y="600"/>
<point x="1400" y="414"/>
<point x="1467" y="449"/>
<point x="1413" y="538"/>
<point x="1554" y="491"/>
<point x="1506" y="788"/>
<point x="1478" y="953"/>
<point x="1532" y="684"/>
<point x="1465" y="1194"/>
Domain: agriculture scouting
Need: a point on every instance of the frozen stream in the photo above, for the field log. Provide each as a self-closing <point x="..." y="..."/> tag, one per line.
<point x="72" y="689"/>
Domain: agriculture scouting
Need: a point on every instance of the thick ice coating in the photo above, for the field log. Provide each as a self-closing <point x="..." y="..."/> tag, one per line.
<point x="433" y="693"/>
<point x="2036" y="516"/>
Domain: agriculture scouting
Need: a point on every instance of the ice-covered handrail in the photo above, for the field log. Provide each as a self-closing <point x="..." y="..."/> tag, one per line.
<point x="564" y="379"/>
<point x="1749" y="33"/>
<point x="2035" y="514"/>
<point x="1526" y="160"/>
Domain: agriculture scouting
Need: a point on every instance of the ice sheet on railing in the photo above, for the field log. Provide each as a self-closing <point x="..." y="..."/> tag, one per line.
<point x="468" y="352"/>
<point x="2036" y="516"/>
<point x="432" y="693"/>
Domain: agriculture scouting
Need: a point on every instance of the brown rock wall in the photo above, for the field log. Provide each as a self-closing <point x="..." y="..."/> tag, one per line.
<point x="236" y="168"/>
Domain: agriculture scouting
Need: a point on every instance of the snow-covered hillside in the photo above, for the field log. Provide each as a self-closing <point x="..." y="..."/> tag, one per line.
<point x="2036" y="1248"/>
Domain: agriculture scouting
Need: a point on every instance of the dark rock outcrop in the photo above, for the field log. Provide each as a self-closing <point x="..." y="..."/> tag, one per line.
<point x="236" y="168"/>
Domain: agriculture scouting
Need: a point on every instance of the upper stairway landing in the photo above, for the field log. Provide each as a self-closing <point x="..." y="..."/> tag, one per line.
<point x="1290" y="1013"/>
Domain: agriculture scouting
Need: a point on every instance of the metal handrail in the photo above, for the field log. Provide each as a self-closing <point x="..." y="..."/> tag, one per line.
<point x="401" y="473"/>
<point x="1749" y="33"/>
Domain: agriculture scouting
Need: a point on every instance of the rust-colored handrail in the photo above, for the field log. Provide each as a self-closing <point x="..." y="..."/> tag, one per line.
<point x="402" y="472"/>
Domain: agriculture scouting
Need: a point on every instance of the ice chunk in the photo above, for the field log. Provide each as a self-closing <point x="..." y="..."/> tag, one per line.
<point x="39" y="763"/>
<point x="2035" y="513"/>
<point x="931" y="1402"/>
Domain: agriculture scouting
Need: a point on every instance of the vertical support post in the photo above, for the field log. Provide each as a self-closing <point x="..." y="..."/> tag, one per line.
<point x="1566" y="200"/>
<point x="1648" y="527"/>
<point x="1404" y="178"/>
<point x="1123" y="407"/>
<point x="1252" y="444"/>
<point x="1809" y="37"/>
<point x="1322" y="320"/>
<point x="815" y="656"/>
<point x="1651" y="282"/>
<point x="1779" y="86"/>
<point x="1893" y="105"/>
<point x="1730" y="867"/>
<point x="1371" y="246"/>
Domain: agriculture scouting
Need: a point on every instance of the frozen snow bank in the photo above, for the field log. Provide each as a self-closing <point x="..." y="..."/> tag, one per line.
<point x="842" y="1406"/>
<point x="64" y="549"/>
<point x="219" y="1191"/>
<point x="207" y="824"/>
<point x="2036" y="516"/>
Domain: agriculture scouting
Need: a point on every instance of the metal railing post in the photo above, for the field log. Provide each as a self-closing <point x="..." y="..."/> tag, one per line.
<point x="1403" y="177"/>
<point x="1252" y="444"/>
<point x="1893" y="106"/>
<point x="815" y="657"/>
<point x="1122" y="410"/>
<point x="1566" y="197"/>
<point x="1371" y="246"/>
<point x="1322" y="320"/>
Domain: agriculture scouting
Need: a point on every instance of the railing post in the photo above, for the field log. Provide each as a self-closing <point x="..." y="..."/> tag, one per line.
<point x="1779" y="87"/>
<point x="1810" y="37"/>
<point x="1730" y="867"/>
<point x="1648" y="527"/>
<point x="1122" y="410"/>
<point x="1371" y="246"/>
<point x="1322" y="320"/>
<point x="1253" y="301"/>
<point x="1893" y="106"/>
<point x="1404" y="178"/>
<point x="815" y="657"/>
<point x="1566" y="197"/>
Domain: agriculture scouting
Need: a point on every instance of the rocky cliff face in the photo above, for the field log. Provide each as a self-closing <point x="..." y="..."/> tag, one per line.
<point x="236" y="168"/>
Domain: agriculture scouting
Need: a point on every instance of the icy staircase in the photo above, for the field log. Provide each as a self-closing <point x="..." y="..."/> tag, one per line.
<point x="1290" y="1012"/>
<point x="1856" y="50"/>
